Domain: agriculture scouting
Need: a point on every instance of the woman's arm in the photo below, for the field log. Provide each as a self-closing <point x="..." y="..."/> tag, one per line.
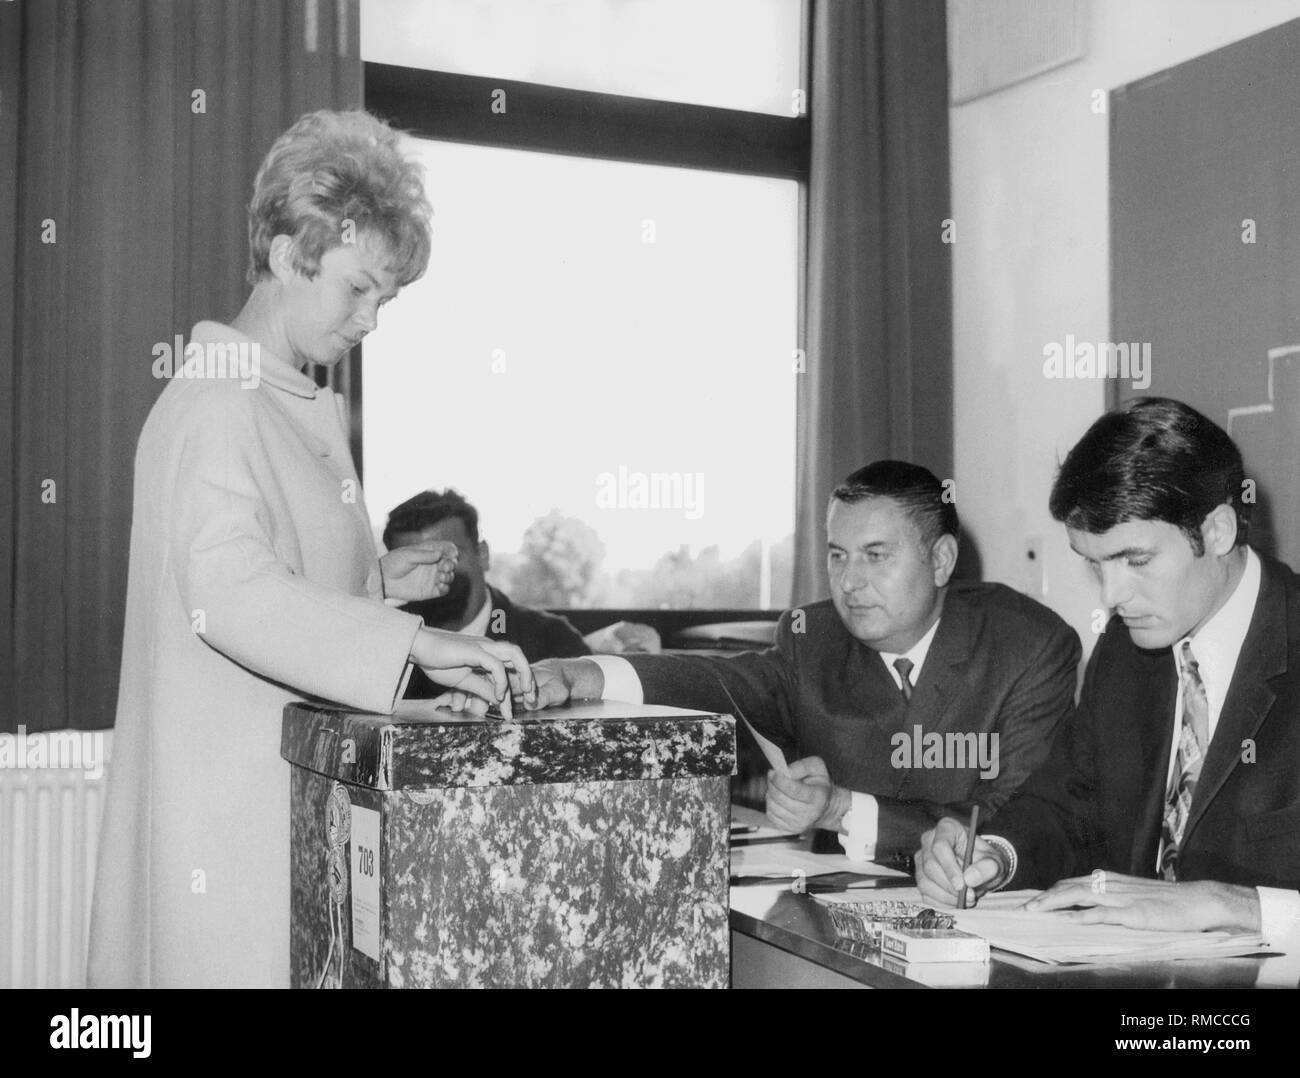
<point x="247" y="603"/>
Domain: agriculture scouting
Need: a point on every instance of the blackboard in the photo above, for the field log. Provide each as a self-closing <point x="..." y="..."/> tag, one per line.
<point x="1205" y="253"/>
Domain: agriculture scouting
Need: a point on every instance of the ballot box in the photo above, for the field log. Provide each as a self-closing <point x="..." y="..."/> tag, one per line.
<point x="585" y="848"/>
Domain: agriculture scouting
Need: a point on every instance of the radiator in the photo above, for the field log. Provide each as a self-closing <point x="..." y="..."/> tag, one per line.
<point x="51" y="802"/>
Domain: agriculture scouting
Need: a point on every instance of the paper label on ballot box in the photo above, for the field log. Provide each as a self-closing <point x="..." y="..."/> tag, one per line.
<point x="365" y="881"/>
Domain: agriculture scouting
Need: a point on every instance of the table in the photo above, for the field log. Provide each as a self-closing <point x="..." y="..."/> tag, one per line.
<point x="781" y="939"/>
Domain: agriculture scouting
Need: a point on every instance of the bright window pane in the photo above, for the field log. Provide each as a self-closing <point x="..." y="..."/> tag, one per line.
<point x="609" y="346"/>
<point x="736" y="54"/>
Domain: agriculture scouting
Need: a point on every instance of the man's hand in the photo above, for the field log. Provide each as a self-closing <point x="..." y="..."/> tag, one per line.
<point x="805" y="797"/>
<point x="478" y="670"/>
<point x="561" y="680"/>
<point x="1113" y="899"/>
<point x="412" y="573"/>
<point x="939" y="861"/>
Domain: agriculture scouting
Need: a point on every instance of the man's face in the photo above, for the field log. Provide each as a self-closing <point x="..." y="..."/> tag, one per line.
<point x="1150" y="576"/>
<point x="884" y="583"/>
<point x="468" y="591"/>
<point x="325" y="315"/>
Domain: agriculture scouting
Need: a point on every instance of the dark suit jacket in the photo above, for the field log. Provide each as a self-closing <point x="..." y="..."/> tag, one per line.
<point x="999" y="662"/>
<point x="1098" y="801"/>
<point x="538" y="634"/>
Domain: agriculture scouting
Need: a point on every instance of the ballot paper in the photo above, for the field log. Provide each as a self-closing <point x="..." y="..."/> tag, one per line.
<point x="1052" y="939"/>
<point x="774" y="755"/>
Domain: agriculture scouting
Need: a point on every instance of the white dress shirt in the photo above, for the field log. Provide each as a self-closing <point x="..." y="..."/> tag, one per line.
<point x="1216" y="649"/>
<point x="860" y="826"/>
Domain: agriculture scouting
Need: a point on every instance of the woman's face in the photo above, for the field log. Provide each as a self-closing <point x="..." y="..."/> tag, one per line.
<point x="324" y="316"/>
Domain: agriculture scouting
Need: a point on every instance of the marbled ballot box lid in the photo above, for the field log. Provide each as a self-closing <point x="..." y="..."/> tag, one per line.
<point x="585" y="848"/>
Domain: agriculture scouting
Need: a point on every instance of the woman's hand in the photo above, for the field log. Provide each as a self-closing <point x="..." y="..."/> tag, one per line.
<point x="424" y="571"/>
<point x="477" y="670"/>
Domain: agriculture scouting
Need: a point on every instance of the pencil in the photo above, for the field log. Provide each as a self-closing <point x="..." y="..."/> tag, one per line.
<point x="970" y="849"/>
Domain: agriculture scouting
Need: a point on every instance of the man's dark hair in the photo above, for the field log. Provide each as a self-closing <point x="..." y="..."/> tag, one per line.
<point x="922" y="497"/>
<point x="428" y="508"/>
<point x="1155" y="459"/>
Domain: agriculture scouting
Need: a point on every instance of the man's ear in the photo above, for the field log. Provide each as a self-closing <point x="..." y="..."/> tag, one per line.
<point x="943" y="556"/>
<point x="1219" y="530"/>
<point x="484" y="555"/>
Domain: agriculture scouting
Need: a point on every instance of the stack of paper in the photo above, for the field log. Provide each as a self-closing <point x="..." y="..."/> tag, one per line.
<point x="1048" y="937"/>
<point x="1052" y="938"/>
<point x="785" y="862"/>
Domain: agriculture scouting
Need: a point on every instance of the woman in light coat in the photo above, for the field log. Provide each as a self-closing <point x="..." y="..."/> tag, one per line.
<point x="254" y="578"/>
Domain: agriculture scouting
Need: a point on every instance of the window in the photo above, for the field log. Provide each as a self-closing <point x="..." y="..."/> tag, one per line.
<point x="734" y="54"/>
<point x="601" y="355"/>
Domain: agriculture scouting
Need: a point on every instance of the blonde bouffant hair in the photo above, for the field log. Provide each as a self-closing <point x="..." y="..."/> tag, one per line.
<point x="333" y="178"/>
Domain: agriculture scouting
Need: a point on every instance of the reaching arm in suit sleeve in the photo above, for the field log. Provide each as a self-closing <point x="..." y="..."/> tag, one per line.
<point x="257" y="611"/>
<point x="762" y="684"/>
<point x="1038" y="703"/>
<point x="1052" y="822"/>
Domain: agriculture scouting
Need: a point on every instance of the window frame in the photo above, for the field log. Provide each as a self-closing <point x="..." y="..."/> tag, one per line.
<point x="452" y="107"/>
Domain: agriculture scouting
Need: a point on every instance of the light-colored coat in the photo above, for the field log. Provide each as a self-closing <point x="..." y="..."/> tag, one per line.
<point x="254" y="580"/>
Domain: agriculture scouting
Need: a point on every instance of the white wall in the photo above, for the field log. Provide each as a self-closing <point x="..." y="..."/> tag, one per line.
<point x="1030" y="195"/>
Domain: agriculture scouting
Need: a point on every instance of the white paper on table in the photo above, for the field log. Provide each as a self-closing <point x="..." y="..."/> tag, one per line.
<point x="783" y="862"/>
<point x="1050" y="938"/>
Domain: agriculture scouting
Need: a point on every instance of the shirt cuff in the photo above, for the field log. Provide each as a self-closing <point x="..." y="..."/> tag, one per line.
<point x="1008" y="852"/>
<point x="860" y="828"/>
<point x="621" y="682"/>
<point x="1279" y="918"/>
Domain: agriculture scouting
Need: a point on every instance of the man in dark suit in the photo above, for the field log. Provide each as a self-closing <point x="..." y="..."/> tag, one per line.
<point x="902" y="697"/>
<point x="1177" y="782"/>
<point x="471" y="605"/>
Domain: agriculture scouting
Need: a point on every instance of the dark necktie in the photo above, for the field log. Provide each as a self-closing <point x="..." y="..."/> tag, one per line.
<point x="1192" y="737"/>
<point x="904" y="668"/>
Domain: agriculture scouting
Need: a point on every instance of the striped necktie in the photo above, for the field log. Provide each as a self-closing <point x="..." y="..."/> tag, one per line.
<point x="904" y="668"/>
<point x="1192" y="737"/>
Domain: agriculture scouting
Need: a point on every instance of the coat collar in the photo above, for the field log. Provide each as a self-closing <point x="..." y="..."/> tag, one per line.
<point x="951" y="646"/>
<point x="271" y="368"/>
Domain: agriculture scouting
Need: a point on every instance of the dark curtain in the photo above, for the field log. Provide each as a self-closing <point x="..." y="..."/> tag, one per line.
<point x="130" y="133"/>
<point x="879" y="285"/>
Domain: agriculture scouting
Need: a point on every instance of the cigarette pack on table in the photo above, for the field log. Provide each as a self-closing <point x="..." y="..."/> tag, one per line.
<point x="940" y="974"/>
<point x="934" y="945"/>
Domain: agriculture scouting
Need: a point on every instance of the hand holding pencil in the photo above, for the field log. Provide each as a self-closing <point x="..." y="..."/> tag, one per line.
<point x="945" y="869"/>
